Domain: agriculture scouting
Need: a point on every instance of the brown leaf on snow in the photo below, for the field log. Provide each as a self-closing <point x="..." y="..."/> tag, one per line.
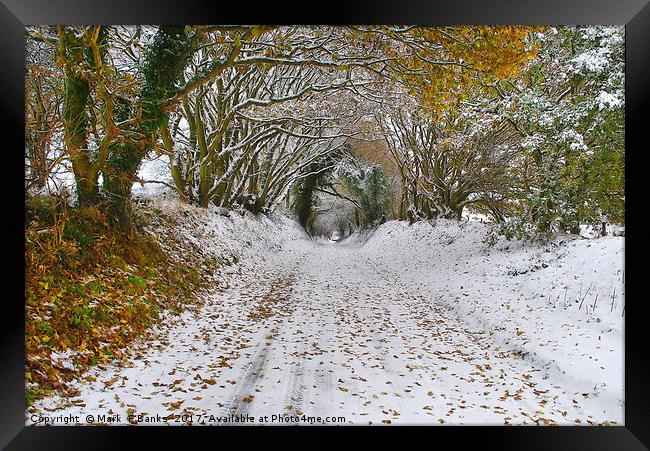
<point x="174" y="405"/>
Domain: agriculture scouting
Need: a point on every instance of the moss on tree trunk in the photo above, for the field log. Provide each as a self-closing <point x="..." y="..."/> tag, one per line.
<point x="75" y="124"/>
<point x="163" y="67"/>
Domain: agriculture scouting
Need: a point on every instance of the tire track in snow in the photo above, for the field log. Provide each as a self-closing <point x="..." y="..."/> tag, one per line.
<point x="273" y="304"/>
<point x="294" y="395"/>
<point x="237" y="405"/>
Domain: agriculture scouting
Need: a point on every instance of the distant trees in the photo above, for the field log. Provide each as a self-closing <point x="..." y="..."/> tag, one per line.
<point x="313" y="177"/>
<point x="368" y="187"/>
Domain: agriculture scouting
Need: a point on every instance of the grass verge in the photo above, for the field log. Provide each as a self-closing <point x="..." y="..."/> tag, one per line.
<point x="91" y="290"/>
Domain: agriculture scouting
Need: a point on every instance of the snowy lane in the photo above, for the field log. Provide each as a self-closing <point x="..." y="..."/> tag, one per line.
<point x="398" y="356"/>
<point x="326" y="330"/>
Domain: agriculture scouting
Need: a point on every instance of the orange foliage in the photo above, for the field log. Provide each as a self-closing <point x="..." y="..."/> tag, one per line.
<point x="441" y="65"/>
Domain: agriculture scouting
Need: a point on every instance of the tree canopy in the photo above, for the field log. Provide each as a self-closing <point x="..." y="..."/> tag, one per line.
<point x="523" y="124"/>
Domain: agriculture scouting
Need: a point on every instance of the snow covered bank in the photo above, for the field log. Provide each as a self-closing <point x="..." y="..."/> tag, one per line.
<point x="561" y="305"/>
<point x="221" y="234"/>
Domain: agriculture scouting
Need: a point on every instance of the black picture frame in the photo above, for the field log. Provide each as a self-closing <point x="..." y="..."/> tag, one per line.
<point x="634" y="14"/>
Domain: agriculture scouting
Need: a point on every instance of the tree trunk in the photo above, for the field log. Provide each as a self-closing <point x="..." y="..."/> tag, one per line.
<point x="75" y="124"/>
<point x="87" y="187"/>
<point x="164" y="64"/>
<point x="119" y="176"/>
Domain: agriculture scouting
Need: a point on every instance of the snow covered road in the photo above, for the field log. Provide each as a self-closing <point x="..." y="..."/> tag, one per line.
<point x="340" y="332"/>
